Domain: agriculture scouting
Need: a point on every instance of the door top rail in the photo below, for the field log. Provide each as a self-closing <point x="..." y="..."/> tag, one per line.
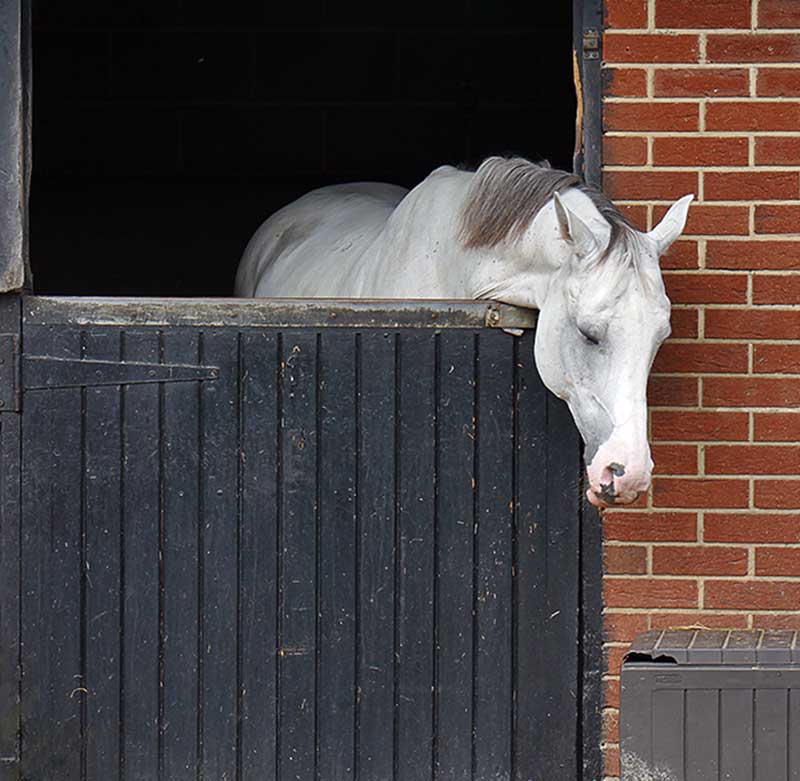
<point x="275" y="312"/>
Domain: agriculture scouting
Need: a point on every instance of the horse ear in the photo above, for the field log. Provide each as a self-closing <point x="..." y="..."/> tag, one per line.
<point x="572" y="228"/>
<point x="671" y="225"/>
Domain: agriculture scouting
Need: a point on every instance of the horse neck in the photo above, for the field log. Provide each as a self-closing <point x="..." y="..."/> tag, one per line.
<point x="520" y="272"/>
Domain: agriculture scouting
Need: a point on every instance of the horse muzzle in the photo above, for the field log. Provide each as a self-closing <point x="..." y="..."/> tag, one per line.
<point x="615" y="486"/>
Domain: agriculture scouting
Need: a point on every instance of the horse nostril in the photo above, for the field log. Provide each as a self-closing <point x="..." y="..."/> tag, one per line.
<point x="608" y="489"/>
<point x="607" y="492"/>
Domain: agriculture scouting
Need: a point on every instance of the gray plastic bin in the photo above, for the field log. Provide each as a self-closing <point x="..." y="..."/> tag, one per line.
<point x="708" y="705"/>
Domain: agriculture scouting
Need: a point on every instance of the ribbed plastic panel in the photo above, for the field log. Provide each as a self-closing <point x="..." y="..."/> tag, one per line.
<point x="709" y="705"/>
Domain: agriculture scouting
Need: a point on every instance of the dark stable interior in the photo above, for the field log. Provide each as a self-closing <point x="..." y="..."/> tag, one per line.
<point x="165" y="132"/>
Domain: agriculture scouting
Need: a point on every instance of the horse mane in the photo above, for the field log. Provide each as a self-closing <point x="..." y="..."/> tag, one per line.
<point x="506" y="193"/>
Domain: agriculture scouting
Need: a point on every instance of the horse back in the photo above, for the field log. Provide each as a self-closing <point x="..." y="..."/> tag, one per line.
<point x="326" y="230"/>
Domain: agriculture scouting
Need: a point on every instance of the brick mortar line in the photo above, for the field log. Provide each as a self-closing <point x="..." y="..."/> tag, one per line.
<point x="751" y="562"/>
<point x="684" y="99"/>
<point x="668" y="577"/>
<point x="710" y="511"/>
<point x="734" y="307"/>
<point x="708" y="66"/>
<point x="701" y="168"/>
<point x="727" y="611"/>
<point x="740" y="236"/>
<point x="730" y="478"/>
<point x="741" y="204"/>
<point x="678" y="65"/>
<point x="675" y="408"/>
<point x="709" y="341"/>
<point x="737" y="272"/>
<point x="694" y="544"/>
<point x="683" y="134"/>
<point x="727" y="237"/>
<point x="733" y="375"/>
<point x="737" y="307"/>
<point x="720" y="31"/>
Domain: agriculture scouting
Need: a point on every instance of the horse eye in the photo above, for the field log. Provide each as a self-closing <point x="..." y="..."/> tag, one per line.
<point x="589" y="337"/>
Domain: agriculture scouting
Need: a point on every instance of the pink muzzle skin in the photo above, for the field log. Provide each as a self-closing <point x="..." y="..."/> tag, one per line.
<point x="616" y="482"/>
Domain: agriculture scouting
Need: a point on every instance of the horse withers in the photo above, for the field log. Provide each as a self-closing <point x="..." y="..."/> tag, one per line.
<point x="511" y="231"/>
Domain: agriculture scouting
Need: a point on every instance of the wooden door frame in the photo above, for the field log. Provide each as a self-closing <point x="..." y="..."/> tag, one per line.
<point x="587" y="30"/>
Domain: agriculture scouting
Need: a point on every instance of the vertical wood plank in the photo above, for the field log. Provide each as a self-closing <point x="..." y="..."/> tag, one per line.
<point x="103" y="512"/>
<point x="376" y="513"/>
<point x="181" y="451"/>
<point x="298" y="556"/>
<point x="337" y="552"/>
<point x="533" y="730"/>
<point x="494" y="548"/>
<point x="219" y="585"/>
<point x="9" y="586"/>
<point x="415" y="564"/>
<point x="258" y="556"/>
<point x="548" y="571"/>
<point x="10" y="581"/>
<point x="51" y="559"/>
<point x="454" y="556"/>
<point x="141" y="529"/>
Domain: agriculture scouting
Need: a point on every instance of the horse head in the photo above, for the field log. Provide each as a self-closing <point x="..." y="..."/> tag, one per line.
<point x="601" y="323"/>
<point x="544" y="239"/>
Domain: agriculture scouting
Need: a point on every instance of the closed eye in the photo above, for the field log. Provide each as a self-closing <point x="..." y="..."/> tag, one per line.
<point x="589" y="337"/>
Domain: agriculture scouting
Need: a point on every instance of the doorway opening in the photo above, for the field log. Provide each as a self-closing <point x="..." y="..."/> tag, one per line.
<point x="164" y="134"/>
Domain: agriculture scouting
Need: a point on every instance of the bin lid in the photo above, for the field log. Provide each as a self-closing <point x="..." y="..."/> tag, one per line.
<point x="716" y="646"/>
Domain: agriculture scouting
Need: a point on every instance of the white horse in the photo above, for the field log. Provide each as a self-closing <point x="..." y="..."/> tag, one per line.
<point x="514" y="232"/>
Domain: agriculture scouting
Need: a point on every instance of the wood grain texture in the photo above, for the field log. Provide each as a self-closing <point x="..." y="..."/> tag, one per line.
<point x="352" y="555"/>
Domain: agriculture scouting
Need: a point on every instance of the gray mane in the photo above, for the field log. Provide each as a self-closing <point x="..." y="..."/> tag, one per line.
<point x="505" y="194"/>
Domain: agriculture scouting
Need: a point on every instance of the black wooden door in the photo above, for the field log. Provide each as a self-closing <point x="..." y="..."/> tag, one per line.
<point x="255" y="546"/>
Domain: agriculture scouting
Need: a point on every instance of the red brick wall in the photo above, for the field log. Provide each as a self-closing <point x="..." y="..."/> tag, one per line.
<point x="703" y="96"/>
